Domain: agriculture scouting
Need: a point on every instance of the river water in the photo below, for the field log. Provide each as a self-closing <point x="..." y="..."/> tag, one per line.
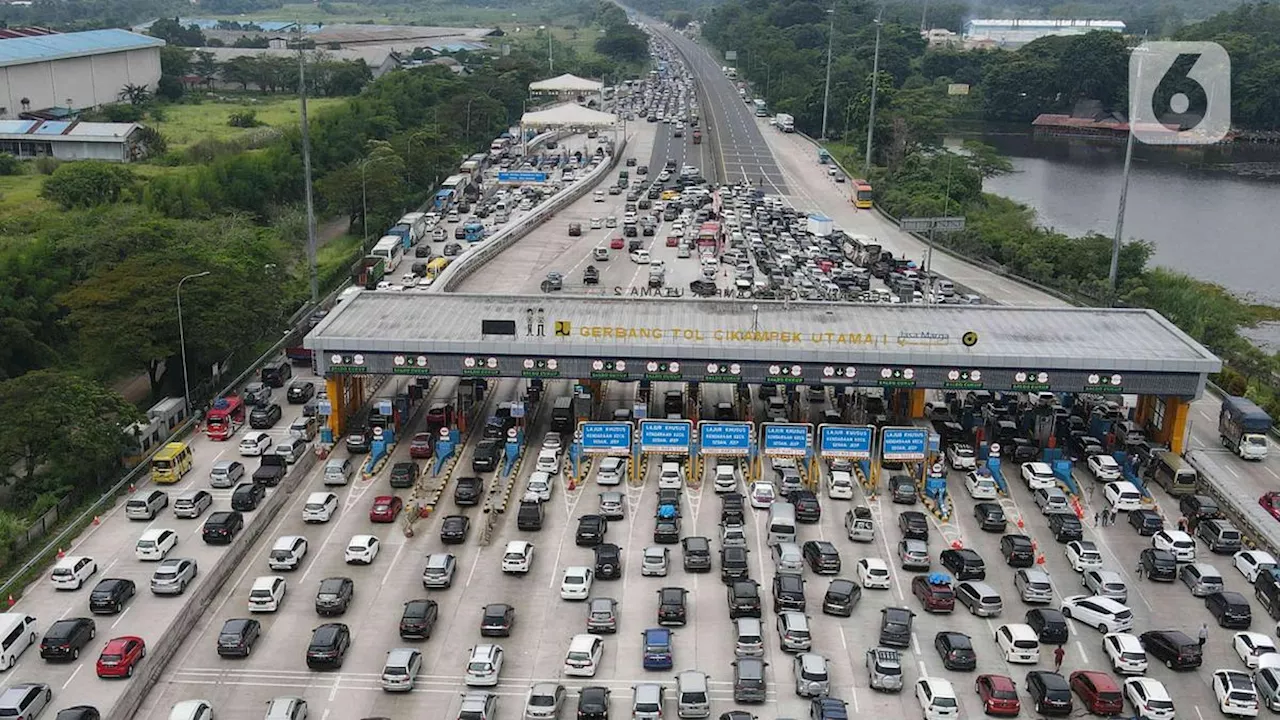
<point x="1213" y="225"/>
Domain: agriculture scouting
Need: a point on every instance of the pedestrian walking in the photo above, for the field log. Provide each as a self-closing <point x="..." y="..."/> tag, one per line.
<point x="1141" y="569"/>
<point x="1058" y="656"/>
<point x="1097" y="518"/>
<point x="1204" y="634"/>
<point x="1182" y="524"/>
<point x="1111" y="517"/>
<point x="1088" y="490"/>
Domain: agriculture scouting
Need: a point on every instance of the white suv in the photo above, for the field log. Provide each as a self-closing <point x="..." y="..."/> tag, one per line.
<point x="1038" y="475"/>
<point x="484" y="666"/>
<point x="671" y="477"/>
<point x="518" y="558"/>
<point x="726" y="478"/>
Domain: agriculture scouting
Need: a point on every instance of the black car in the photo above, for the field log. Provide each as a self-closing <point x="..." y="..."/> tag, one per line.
<point x="1017" y="550"/>
<point x="806" y="503"/>
<point x="666" y="531"/>
<point x="300" y="391"/>
<point x="1146" y="522"/>
<point x="404" y="474"/>
<point x="221" y="527"/>
<point x="1159" y="565"/>
<point x="895" y="626"/>
<point x="964" y="564"/>
<point x="359" y="440"/>
<point x="913" y="525"/>
<point x="820" y="708"/>
<point x="822" y="556"/>
<point x="697" y="554"/>
<point x="956" y="650"/>
<point x="841" y="597"/>
<point x="608" y="561"/>
<point x="733" y="564"/>
<point x="902" y="489"/>
<point x="265" y="417"/>
<point x="990" y="517"/>
<point x="1065" y="527"/>
<point x="419" y="619"/>
<point x="593" y="703"/>
<point x="78" y="712"/>
<point x="1196" y="508"/>
<point x="328" y="647"/>
<point x="66" y="638"/>
<point x="237" y="637"/>
<point x="468" y="491"/>
<point x="732" y="508"/>
<point x="453" y="248"/>
<point x="1173" y="648"/>
<point x="1049" y="624"/>
<point x="110" y="595"/>
<point x="247" y="496"/>
<point x="1050" y="693"/>
<point x="671" y="606"/>
<point x="788" y="592"/>
<point x="1230" y="609"/>
<point x="743" y="597"/>
<point x="485" y="458"/>
<point x="497" y="620"/>
<point x="591" y="530"/>
<point x="335" y="595"/>
<point x="454" y="529"/>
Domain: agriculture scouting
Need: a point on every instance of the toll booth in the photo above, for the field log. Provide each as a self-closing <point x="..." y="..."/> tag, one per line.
<point x="471" y="393"/>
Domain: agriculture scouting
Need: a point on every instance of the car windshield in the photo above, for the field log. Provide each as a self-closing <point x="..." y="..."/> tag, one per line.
<point x="478" y="667"/>
<point x="110" y="658"/>
<point x="541" y="701"/>
<point x="944" y="701"/>
<point x="1160" y="704"/>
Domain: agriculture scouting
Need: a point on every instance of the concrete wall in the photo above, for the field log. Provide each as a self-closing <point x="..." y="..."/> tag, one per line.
<point x="87" y="81"/>
<point x="72" y="150"/>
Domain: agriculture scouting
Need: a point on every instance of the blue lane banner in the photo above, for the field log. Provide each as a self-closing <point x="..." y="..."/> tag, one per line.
<point x="606" y="438"/>
<point x="786" y="439"/>
<point x="904" y="444"/>
<point x="521" y="176"/>
<point x="665" y="436"/>
<point x="724" y="438"/>
<point x="845" y="441"/>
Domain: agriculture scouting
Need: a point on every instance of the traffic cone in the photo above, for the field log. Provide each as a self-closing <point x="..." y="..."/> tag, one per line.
<point x="957" y="545"/>
<point x="1021" y="524"/>
<point x="97" y="520"/>
<point x="61" y="554"/>
<point x="1040" y="559"/>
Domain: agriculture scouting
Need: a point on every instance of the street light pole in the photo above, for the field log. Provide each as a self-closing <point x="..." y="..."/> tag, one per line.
<point x="826" y="93"/>
<point x="306" y="169"/>
<point x="875" y="84"/>
<point x="1113" y="275"/>
<point x="182" y="338"/>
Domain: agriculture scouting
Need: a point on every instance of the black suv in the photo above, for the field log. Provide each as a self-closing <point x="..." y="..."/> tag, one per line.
<point x="788" y="592"/>
<point x="697" y="554"/>
<point x="66" y="638"/>
<point x="1146" y="522"/>
<point x="733" y="564"/>
<point x="221" y="527"/>
<point x="1050" y="693"/>
<point x="841" y="596"/>
<point x="591" y="530"/>
<point x="1173" y="648"/>
<point x="358" y="441"/>
<point x="485" y="457"/>
<point x="593" y="703"/>
<point x="666" y="530"/>
<point x="964" y="564"/>
<point x="902" y="489"/>
<point x="1196" y="508"/>
<point x="404" y="474"/>
<point x="1065" y="527"/>
<point x="1017" y="550"/>
<point x="1049" y="624"/>
<point x="895" y="626"/>
<point x="110" y="594"/>
<point x="956" y="650"/>
<point x="300" y="391"/>
<point x="467" y="491"/>
<point x="913" y="524"/>
<point x="328" y="647"/>
<point x="419" y="619"/>
<point x="265" y="417"/>
<point x="1230" y="609"/>
<point x="808" y="510"/>
<point x="335" y="595"/>
<point x="608" y="561"/>
<point x="822" y="556"/>
<point x="497" y="620"/>
<point x="1159" y="564"/>
<point x="237" y="637"/>
<point x="744" y="599"/>
<point x="671" y="605"/>
<point x="732" y="509"/>
<point x="990" y="517"/>
<point x="454" y="529"/>
<point x="247" y="496"/>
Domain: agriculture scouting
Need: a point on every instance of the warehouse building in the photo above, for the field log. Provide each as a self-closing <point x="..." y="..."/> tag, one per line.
<point x="1016" y="33"/>
<point x="72" y="140"/>
<point x="74" y="71"/>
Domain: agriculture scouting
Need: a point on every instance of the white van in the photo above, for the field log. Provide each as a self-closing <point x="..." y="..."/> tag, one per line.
<point x="782" y="523"/>
<point x="266" y="594"/>
<point x="155" y="544"/>
<point x="640" y="256"/>
<point x="583" y="658"/>
<point x="287" y="553"/>
<point x="692" y="698"/>
<point x="320" y="507"/>
<point x="71" y="572"/>
<point x="1018" y="643"/>
<point x="17" y="633"/>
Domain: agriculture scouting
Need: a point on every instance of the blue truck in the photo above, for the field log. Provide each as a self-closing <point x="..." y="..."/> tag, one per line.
<point x="473" y="232"/>
<point x="1243" y="427"/>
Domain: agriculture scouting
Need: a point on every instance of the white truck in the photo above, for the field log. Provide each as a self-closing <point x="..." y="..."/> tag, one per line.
<point x="820" y="225"/>
<point x="785" y="122"/>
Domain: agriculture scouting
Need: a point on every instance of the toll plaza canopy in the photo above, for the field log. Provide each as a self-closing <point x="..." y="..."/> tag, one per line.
<point x="626" y="338"/>
<point x="567" y="84"/>
<point x="568" y="114"/>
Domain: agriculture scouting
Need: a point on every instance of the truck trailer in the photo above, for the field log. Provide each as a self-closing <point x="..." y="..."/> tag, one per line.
<point x="1243" y="427"/>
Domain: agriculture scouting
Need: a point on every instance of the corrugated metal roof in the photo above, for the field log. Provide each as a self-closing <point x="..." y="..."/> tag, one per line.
<point x="101" y="130"/>
<point x="52" y="127"/>
<point x="21" y="51"/>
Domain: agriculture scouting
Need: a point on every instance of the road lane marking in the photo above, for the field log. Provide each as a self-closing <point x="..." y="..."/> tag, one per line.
<point x="120" y="617"/>
<point x="73" y="676"/>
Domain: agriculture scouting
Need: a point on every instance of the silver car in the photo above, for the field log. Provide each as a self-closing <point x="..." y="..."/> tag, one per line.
<point x="172" y="576"/>
<point x="545" y="701"/>
<point x="812" y="676"/>
<point x="913" y="554"/>
<point x="602" y="615"/>
<point x="611" y="505"/>
<point x="884" y="668"/>
<point x="654" y="561"/>
<point x="1201" y="578"/>
<point x="1106" y="583"/>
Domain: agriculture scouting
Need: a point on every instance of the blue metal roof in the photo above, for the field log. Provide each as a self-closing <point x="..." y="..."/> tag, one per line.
<point x="52" y="127"/>
<point x="16" y="127"/>
<point x="43" y="48"/>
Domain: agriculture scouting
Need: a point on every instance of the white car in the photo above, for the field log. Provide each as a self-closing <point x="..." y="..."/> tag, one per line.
<point x="1083" y="555"/>
<point x="1252" y="645"/>
<point x="1125" y="652"/>
<point x="1176" y="542"/>
<point x="1252" y="563"/>
<point x="539" y="485"/>
<point x="980" y="487"/>
<point x="577" y="583"/>
<point x="726" y="478"/>
<point x="611" y="471"/>
<point x="839" y="485"/>
<point x="937" y="699"/>
<point x="484" y="666"/>
<point x="552" y="441"/>
<point x="1104" y="468"/>
<point x="548" y="462"/>
<point x="762" y="494"/>
<point x="361" y="550"/>
<point x="155" y="544"/>
<point x="961" y="457"/>
<point x="873" y="574"/>
<point x="287" y="553"/>
<point x="518" y="557"/>
<point x="1123" y="496"/>
<point x="640" y="256"/>
<point x="671" y="476"/>
<point x="254" y="443"/>
<point x="655" y="561"/>
<point x="71" y="572"/>
<point x="1096" y="611"/>
<point x="1149" y="697"/>
<point x="1038" y="475"/>
<point x="1236" y="693"/>
<point x="597" y="223"/>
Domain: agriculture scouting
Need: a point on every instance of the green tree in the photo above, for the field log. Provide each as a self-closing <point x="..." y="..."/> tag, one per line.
<point x="169" y="30"/>
<point x="377" y="182"/>
<point x="135" y="94"/>
<point x="88" y="183"/>
<point x="205" y="66"/>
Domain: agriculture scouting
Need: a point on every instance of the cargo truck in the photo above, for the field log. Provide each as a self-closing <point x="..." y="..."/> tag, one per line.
<point x="820" y="225"/>
<point x="1243" y="427"/>
<point x="785" y="122"/>
<point x="368" y="271"/>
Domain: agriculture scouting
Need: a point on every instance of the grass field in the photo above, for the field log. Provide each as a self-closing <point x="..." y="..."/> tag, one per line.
<point x="187" y="123"/>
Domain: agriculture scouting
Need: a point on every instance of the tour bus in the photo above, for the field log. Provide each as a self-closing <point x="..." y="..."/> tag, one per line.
<point x="391" y="249"/>
<point x="171" y="463"/>
<point x="861" y="193"/>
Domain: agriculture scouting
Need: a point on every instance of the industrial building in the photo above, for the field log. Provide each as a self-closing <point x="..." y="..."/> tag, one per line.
<point x="1014" y="33"/>
<point x="74" y="71"/>
<point x="72" y="140"/>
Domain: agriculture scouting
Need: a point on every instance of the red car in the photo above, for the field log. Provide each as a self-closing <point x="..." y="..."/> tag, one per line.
<point x="673" y="240"/>
<point x="120" y="656"/>
<point x="385" y="509"/>
<point x="616" y="243"/>
<point x="1271" y="503"/>
<point x="937" y="597"/>
<point x="422" y="446"/>
<point x="1098" y="691"/>
<point x="999" y="695"/>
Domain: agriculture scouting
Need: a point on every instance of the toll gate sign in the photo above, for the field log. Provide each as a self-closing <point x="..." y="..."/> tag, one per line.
<point x="724" y="438"/>
<point x="845" y="441"/>
<point x="786" y="439"/>
<point x="606" y="438"/>
<point x="904" y="444"/>
<point x="665" y="436"/>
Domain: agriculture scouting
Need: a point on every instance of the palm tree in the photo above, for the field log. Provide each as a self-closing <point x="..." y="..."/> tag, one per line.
<point x="135" y="94"/>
